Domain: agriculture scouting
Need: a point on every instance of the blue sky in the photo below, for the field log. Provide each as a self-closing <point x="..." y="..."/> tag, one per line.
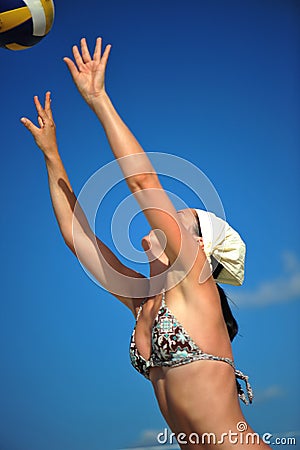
<point x="213" y="82"/>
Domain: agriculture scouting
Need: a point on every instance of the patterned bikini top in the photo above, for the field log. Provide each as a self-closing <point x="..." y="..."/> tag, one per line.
<point x="172" y="346"/>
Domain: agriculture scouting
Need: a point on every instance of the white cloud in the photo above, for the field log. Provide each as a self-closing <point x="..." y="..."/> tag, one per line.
<point x="284" y="288"/>
<point x="148" y="441"/>
<point x="270" y="393"/>
<point x="149" y="436"/>
<point x="286" y="434"/>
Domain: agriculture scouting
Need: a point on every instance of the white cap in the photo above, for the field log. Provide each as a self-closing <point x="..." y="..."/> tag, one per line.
<point x="224" y="245"/>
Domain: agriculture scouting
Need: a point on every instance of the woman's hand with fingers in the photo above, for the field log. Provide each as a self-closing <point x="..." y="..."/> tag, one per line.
<point x="89" y="73"/>
<point x="45" y="135"/>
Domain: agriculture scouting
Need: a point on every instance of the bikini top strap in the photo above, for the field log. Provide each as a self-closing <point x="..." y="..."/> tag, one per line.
<point x="140" y="309"/>
<point x="163" y="303"/>
<point x="163" y="299"/>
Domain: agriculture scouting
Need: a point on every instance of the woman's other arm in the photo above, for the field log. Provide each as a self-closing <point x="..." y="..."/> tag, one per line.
<point x="73" y="224"/>
<point x="61" y="193"/>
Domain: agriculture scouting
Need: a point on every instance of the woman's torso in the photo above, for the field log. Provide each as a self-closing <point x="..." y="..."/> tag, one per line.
<point x="196" y="396"/>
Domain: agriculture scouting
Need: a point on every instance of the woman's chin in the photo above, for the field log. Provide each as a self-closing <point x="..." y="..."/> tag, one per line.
<point x="145" y="244"/>
<point x="152" y="252"/>
<point x="147" y="249"/>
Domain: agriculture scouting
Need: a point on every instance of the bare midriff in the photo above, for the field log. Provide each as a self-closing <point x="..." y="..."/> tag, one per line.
<point x="198" y="398"/>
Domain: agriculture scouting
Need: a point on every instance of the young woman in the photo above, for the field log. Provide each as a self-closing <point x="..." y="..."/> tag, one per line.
<point x="184" y="327"/>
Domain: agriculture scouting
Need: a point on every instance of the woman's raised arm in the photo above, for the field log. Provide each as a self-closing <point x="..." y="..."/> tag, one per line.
<point x="73" y="224"/>
<point x="89" y="76"/>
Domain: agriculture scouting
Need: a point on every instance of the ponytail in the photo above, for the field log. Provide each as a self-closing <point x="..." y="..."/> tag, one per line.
<point x="230" y="321"/>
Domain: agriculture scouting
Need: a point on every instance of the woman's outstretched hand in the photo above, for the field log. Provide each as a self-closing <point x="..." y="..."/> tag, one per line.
<point x="45" y="136"/>
<point x="89" y="73"/>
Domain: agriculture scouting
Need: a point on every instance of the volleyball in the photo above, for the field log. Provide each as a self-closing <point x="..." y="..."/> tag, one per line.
<point x="24" y="23"/>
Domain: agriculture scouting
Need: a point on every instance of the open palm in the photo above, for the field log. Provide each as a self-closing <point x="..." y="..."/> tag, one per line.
<point x="89" y="73"/>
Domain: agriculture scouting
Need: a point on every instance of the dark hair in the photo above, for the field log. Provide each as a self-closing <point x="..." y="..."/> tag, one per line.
<point x="231" y="323"/>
